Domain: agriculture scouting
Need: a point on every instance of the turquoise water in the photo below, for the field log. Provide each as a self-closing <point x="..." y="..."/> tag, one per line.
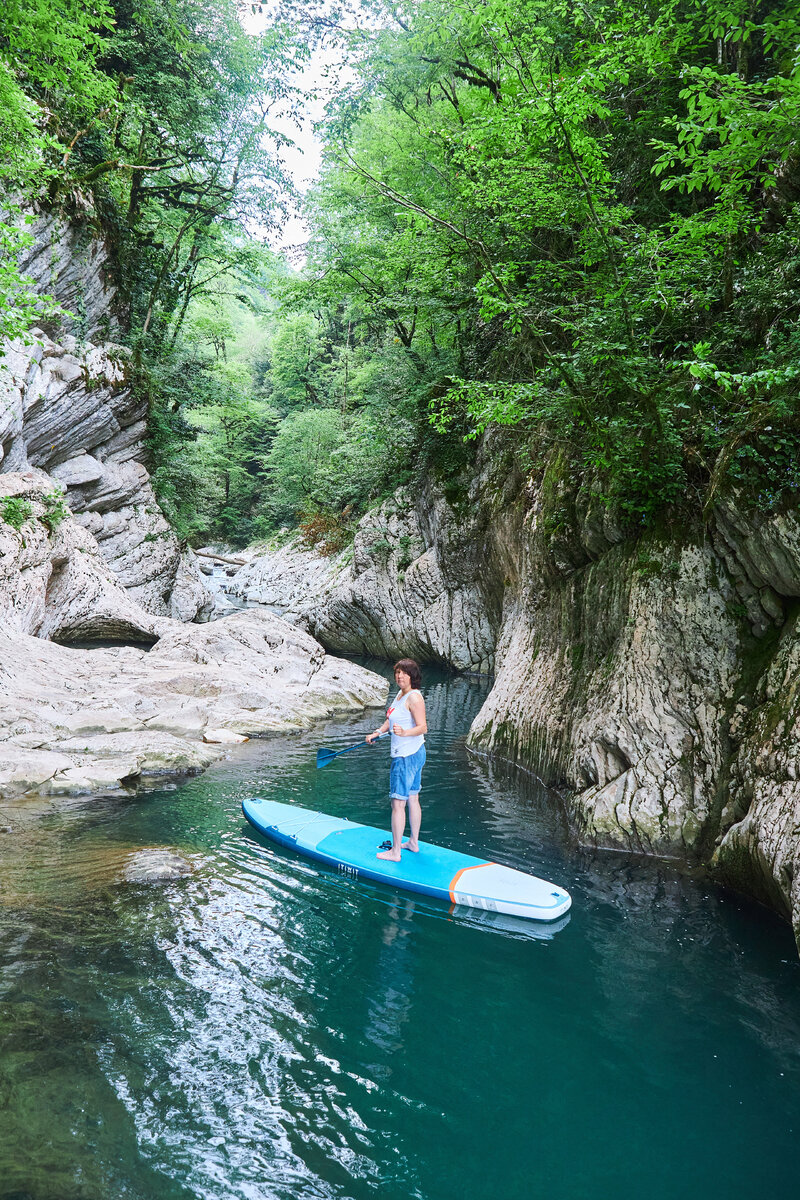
<point x="266" y="1029"/>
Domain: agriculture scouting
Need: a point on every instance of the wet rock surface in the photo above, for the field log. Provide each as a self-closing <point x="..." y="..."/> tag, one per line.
<point x="156" y="865"/>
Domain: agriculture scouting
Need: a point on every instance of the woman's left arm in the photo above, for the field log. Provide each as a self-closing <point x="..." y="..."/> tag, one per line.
<point x="416" y="706"/>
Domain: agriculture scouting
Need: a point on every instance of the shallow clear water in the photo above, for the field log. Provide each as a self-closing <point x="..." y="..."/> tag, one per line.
<point x="266" y="1029"/>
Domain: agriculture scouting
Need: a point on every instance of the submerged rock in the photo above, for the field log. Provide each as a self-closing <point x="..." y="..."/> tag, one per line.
<point x="155" y="865"/>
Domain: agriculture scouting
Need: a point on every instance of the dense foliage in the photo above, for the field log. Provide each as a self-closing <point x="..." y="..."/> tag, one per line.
<point x="50" y="85"/>
<point x="579" y="221"/>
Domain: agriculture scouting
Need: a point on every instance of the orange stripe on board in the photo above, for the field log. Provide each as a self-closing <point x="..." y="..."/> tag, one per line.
<point x="463" y="871"/>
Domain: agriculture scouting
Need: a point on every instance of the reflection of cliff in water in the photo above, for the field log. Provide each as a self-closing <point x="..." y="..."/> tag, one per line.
<point x="649" y="923"/>
<point x="452" y="701"/>
<point x="516" y="803"/>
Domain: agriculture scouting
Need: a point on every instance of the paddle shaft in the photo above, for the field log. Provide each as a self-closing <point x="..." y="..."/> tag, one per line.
<point x="326" y="756"/>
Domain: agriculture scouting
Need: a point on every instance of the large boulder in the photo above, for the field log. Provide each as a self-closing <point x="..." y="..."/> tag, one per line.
<point x="80" y="720"/>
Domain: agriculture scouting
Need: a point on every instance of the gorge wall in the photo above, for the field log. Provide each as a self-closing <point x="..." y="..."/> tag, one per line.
<point x="654" y="681"/>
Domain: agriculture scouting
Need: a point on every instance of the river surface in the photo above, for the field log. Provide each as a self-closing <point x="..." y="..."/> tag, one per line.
<point x="265" y="1029"/>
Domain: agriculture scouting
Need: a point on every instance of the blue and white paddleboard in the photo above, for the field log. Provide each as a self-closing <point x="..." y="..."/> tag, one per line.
<point x="434" y="871"/>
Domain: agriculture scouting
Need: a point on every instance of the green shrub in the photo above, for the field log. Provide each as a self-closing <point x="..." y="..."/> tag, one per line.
<point x="55" y="510"/>
<point x="15" y="511"/>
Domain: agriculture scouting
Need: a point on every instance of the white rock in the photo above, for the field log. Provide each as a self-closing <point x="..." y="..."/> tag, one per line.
<point x="109" y="717"/>
<point x="77" y="471"/>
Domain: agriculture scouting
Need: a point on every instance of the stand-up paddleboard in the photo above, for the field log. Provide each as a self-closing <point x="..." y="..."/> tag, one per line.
<point x="434" y="871"/>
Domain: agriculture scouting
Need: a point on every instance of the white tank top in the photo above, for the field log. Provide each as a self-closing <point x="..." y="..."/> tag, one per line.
<point x="398" y="714"/>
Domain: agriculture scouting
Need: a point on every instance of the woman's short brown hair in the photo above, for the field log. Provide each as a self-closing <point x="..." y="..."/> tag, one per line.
<point x="411" y="668"/>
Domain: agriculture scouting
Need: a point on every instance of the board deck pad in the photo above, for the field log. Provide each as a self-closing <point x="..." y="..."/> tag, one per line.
<point x="434" y="871"/>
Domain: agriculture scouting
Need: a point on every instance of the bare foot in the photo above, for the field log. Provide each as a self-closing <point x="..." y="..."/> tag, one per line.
<point x="410" y="845"/>
<point x="390" y="855"/>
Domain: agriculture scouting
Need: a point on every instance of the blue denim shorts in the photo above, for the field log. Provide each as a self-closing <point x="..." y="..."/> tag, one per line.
<point x="406" y="775"/>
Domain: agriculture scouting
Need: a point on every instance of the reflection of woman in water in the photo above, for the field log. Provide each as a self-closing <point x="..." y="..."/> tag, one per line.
<point x="390" y="994"/>
<point x="406" y="719"/>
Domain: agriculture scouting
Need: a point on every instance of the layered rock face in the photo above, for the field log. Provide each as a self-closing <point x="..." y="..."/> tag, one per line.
<point x="618" y="684"/>
<point x="655" y="682"/>
<point x="54" y="582"/>
<point x="66" y="408"/>
<point x="411" y="584"/>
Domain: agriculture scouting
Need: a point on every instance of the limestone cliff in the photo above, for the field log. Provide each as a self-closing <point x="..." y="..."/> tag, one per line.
<point x="412" y="583"/>
<point x="66" y="408"/>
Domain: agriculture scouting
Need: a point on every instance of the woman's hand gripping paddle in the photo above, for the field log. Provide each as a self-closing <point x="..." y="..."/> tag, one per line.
<point x="326" y="756"/>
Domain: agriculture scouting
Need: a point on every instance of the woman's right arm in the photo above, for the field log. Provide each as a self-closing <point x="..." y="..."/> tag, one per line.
<point x="371" y="736"/>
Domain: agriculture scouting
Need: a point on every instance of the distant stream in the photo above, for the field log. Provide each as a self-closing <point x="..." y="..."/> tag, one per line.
<point x="264" y="1029"/>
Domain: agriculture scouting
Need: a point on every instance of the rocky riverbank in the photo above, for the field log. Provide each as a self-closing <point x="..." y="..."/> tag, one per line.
<point x="76" y="720"/>
<point x="76" y="717"/>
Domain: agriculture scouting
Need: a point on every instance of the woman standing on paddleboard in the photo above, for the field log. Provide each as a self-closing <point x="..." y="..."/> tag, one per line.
<point x="406" y="719"/>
